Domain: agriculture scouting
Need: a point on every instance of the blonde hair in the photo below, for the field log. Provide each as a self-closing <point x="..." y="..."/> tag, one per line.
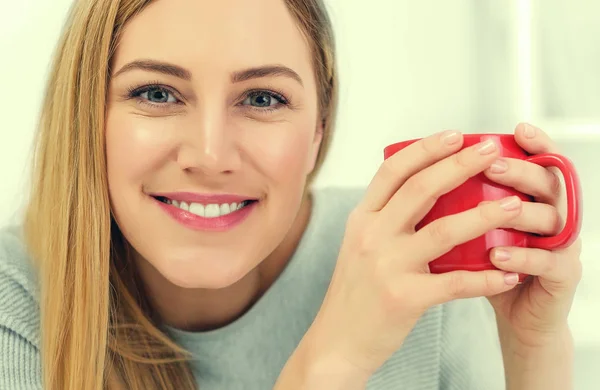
<point x="97" y="329"/>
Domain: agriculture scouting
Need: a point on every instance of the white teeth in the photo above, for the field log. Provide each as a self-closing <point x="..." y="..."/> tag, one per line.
<point x="225" y="209"/>
<point x="212" y="211"/>
<point x="209" y="210"/>
<point x="197" y="208"/>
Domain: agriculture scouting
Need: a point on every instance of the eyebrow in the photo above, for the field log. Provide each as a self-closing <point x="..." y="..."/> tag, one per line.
<point x="265" y="71"/>
<point x="157" y="67"/>
<point x="184" y="74"/>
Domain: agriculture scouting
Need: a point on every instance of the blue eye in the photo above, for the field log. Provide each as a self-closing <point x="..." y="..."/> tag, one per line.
<point x="157" y="95"/>
<point x="264" y="99"/>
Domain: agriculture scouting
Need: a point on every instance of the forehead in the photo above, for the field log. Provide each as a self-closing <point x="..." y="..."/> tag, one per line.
<point x="221" y="35"/>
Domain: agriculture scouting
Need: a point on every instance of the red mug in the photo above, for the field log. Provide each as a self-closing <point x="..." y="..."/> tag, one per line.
<point x="474" y="255"/>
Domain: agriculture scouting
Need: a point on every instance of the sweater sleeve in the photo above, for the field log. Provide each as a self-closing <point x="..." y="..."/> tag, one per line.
<point x="471" y="357"/>
<point x="20" y="367"/>
<point x="19" y="362"/>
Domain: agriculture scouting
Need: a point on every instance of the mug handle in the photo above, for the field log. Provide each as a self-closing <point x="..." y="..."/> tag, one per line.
<point x="574" y="202"/>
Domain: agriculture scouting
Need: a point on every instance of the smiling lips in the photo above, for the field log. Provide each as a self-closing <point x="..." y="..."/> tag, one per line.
<point x="206" y="212"/>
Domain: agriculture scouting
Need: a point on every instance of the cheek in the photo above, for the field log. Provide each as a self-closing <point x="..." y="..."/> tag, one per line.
<point x="136" y="145"/>
<point x="280" y="151"/>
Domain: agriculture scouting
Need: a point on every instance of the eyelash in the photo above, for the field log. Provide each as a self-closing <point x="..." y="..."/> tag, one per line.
<point x="136" y="92"/>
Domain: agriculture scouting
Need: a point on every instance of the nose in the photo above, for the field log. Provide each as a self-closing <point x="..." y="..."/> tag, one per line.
<point x="209" y="145"/>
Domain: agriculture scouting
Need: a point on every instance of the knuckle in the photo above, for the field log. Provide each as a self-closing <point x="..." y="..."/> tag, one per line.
<point x="555" y="220"/>
<point x="395" y="300"/>
<point x="365" y="244"/>
<point x="526" y="259"/>
<point x="488" y="214"/>
<point x="484" y="212"/>
<point x="391" y="296"/>
<point x="489" y="281"/>
<point x="354" y="224"/>
<point x="394" y="295"/>
<point x="355" y="218"/>
<point x="461" y="159"/>
<point x="389" y="167"/>
<point x="360" y="236"/>
<point x="418" y="187"/>
<point x="555" y="184"/>
<point x="430" y="146"/>
<point x="394" y="166"/>
<point x="456" y="285"/>
<point x="439" y="232"/>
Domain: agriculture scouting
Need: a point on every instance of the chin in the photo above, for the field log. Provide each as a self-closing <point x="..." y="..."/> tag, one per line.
<point x="207" y="274"/>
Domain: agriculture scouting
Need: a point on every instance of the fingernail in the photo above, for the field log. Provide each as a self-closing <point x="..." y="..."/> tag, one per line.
<point x="486" y="147"/>
<point x="511" y="279"/>
<point x="501" y="255"/>
<point x="510" y="204"/>
<point x="529" y="131"/>
<point x="450" y="137"/>
<point x="499" y="166"/>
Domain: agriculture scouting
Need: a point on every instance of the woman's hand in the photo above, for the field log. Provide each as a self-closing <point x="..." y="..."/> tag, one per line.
<point x="381" y="284"/>
<point x="536" y="312"/>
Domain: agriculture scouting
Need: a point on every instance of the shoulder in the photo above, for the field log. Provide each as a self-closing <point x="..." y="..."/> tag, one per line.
<point x="19" y="305"/>
<point x="20" y="365"/>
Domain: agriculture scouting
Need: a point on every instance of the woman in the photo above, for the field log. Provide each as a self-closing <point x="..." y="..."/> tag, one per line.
<point x="176" y="243"/>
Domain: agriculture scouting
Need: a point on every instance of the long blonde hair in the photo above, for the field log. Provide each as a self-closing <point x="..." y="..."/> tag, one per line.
<point x="97" y="329"/>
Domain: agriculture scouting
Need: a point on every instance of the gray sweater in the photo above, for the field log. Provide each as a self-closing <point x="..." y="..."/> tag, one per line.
<point x="453" y="346"/>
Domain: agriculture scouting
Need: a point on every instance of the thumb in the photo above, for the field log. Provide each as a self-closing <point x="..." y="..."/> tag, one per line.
<point x="466" y="284"/>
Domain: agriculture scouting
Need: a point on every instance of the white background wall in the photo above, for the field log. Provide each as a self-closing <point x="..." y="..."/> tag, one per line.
<point x="408" y="68"/>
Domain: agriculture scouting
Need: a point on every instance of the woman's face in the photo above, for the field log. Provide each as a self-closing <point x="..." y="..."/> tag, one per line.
<point x="212" y="107"/>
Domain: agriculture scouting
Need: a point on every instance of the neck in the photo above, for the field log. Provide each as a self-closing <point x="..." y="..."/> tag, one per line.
<point x="207" y="309"/>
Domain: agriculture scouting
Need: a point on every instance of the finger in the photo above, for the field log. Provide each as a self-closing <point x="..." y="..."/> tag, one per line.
<point x="465" y="284"/>
<point x="553" y="266"/>
<point x="538" y="218"/>
<point x="420" y="192"/>
<point x="526" y="177"/>
<point x="395" y="170"/>
<point x="534" y="140"/>
<point x="441" y="235"/>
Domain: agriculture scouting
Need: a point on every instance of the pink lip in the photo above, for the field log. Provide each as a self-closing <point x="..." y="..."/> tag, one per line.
<point x="218" y="224"/>
<point x="190" y="197"/>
